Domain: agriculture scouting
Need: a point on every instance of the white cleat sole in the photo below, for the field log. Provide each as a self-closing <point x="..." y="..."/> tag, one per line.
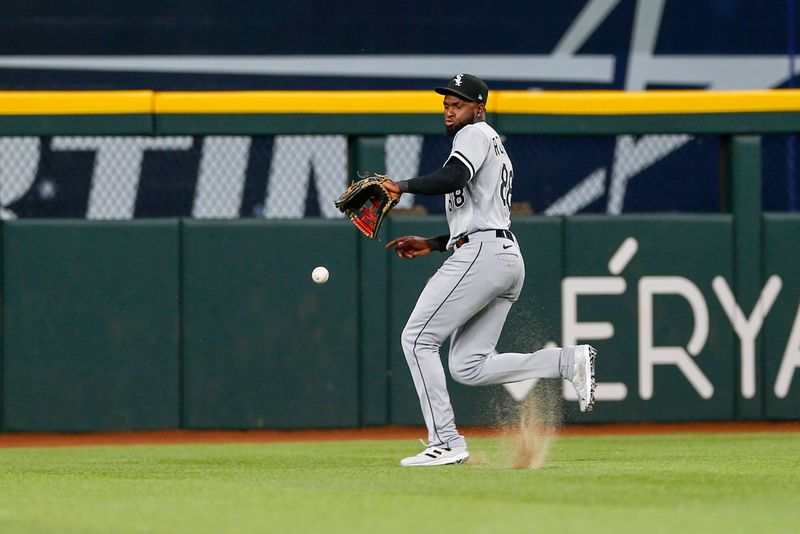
<point x="413" y="461"/>
<point x="589" y="384"/>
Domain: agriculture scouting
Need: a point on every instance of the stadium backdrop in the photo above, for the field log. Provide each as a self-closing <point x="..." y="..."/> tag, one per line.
<point x="162" y="320"/>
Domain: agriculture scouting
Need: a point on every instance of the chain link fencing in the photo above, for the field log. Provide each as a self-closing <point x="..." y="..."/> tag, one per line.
<point x="228" y="177"/>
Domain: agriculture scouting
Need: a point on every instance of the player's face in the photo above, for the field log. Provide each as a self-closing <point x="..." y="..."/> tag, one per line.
<point x="459" y="113"/>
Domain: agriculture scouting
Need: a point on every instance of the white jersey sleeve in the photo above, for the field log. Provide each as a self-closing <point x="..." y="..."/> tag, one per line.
<point x="470" y="146"/>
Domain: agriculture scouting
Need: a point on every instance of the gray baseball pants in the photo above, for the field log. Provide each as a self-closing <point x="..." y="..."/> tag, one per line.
<point x="468" y="300"/>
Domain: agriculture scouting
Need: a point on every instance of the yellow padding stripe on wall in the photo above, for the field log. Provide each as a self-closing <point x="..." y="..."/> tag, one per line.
<point x="647" y="102"/>
<point x="75" y="102"/>
<point x="299" y="102"/>
<point x="384" y="102"/>
<point x="546" y="102"/>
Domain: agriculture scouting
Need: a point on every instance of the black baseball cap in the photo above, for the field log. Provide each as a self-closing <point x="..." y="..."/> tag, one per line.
<point x="466" y="87"/>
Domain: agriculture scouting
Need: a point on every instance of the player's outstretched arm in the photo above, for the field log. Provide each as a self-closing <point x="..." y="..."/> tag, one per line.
<point x="452" y="177"/>
<point x="412" y="246"/>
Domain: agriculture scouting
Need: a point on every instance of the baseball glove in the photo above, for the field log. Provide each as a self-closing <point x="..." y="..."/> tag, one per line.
<point x="367" y="202"/>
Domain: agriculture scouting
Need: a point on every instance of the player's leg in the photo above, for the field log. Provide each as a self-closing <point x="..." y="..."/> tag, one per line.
<point x="473" y="360"/>
<point x="450" y="298"/>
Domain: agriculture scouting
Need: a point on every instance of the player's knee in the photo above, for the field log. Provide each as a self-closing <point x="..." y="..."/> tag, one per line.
<point x="407" y="339"/>
<point x="416" y="341"/>
<point x="467" y="372"/>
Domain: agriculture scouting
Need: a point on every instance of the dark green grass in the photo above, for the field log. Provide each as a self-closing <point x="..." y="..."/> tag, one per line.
<point x="673" y="483"/>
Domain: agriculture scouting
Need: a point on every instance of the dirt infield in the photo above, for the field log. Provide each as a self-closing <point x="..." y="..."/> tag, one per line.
<point x="389" y="432"/>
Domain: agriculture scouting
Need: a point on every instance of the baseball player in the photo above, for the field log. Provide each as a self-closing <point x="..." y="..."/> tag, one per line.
<point x="469" y="297"/>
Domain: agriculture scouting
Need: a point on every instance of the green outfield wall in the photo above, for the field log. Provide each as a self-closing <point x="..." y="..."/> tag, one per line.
<point x="780" y="340"/>
<point x="263" y="346"/>
<point x="90" y="325"/>
<point x="217" y="324"/>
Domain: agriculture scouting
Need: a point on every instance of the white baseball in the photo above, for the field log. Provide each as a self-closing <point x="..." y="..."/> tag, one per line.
<point x="320" y="275"/>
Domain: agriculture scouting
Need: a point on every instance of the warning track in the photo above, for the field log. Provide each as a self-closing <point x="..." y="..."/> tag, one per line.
<point x="166" y="437"/>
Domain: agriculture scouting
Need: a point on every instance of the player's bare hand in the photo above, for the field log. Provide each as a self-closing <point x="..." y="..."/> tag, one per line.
<point x="393" y="189"/>
<point x="410" y="246"/>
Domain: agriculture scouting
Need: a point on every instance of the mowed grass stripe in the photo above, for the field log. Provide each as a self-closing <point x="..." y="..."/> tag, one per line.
<point x="665" y="483"/>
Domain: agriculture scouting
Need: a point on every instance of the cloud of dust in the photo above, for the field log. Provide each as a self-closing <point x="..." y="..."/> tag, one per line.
<point x="539" y="418"/>
<point x="527" y="429"/>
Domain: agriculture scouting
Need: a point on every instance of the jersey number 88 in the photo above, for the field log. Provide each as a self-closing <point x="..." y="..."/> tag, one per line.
<point x="457" y="198"/>
<point x="506" y="177"/>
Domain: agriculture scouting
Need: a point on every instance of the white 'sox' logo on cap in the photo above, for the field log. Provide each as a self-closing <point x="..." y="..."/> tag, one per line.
<point x="457" y="80"/>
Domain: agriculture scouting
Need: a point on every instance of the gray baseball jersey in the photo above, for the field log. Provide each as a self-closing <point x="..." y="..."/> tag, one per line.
<point x="485" y="202"/>
<point x="469" y="297"/>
